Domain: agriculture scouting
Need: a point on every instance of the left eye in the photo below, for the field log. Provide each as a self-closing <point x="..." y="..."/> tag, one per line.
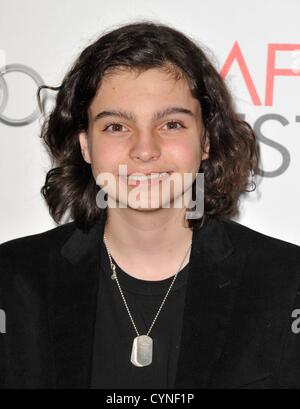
<point x="174" y="125"/>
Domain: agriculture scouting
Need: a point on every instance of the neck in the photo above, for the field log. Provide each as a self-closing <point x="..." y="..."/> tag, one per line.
<point x="148" y="244"/>
<point x="146" y="232"/>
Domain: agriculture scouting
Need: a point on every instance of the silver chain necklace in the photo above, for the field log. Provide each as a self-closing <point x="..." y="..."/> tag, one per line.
<point x="142" y="347"/>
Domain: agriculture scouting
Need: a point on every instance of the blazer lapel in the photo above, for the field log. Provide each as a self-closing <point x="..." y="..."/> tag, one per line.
<point x="72" y="306"/>
<point x="209" y="302"/>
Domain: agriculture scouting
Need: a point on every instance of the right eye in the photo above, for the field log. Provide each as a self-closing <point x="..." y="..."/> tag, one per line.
<point x="113" y="127"/>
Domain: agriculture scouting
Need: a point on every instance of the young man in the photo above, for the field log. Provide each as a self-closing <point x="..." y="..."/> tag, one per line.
<point x="137" y="295"/>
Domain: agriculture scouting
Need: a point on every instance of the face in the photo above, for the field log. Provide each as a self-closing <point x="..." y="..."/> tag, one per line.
<point x="151" y="123"/>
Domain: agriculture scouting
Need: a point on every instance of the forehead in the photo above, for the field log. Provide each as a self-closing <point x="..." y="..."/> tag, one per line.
<point x="155" y="85"/>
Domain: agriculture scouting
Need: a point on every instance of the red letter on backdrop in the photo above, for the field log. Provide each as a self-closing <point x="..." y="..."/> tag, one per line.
<point x="236" y="54"/>
<point x="272" y="71"/>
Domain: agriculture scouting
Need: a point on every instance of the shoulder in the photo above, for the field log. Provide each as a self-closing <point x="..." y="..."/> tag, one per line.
<point x="270" y="273"/>
<point x="33" y="250"/>
<point x="265" y="262"/>
<point x="260" y="245"/>
<point x="37" y="242"/>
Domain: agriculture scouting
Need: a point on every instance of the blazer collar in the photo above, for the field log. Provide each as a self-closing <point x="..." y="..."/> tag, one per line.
<point x="209" y="301"/>
<point x="211" y="238"/>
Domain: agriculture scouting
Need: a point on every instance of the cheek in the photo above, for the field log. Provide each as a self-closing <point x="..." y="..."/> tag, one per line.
<point x="100" y="157"/>
<point x="105" y="156"/>
<point x="187" y="155"/>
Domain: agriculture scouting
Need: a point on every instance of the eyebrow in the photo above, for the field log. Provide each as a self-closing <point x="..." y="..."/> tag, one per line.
<point x="156" y="116"/>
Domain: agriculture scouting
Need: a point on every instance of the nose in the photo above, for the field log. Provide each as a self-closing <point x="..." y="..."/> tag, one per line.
<point x="145" y="147"/>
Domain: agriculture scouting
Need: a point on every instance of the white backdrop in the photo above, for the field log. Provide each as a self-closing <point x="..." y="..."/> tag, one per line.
<point x="47" y="36"/>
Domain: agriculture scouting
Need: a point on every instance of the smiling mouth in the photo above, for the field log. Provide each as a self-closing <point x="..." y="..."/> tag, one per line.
<point x="145" y="179"/>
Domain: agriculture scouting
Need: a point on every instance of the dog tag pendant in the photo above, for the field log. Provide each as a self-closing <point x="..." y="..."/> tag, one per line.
<point x="142" y="347"/>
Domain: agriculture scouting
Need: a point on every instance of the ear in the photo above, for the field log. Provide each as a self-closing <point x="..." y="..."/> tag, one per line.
<point x="84" y="144"/>
<point x="205" y="151"/>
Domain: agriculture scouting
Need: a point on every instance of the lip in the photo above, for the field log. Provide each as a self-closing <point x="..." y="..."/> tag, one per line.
<point x="147" y="173"/>
<point x="151" y="182"/>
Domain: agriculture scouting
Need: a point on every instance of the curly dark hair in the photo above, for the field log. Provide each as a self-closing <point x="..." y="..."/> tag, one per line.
<point x="233" y="156"/>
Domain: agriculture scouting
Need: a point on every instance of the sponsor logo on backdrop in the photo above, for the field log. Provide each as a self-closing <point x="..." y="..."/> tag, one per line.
<point x="4" y="94"/>
<point x="272" y="71"/>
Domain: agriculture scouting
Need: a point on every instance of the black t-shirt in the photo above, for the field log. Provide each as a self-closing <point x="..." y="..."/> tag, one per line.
<point x="114" y="332"/>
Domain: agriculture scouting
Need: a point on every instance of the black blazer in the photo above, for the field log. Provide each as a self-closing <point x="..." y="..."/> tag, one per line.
<point x="237" y="327"/>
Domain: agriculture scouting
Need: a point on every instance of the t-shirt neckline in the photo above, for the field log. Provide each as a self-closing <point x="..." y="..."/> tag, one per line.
<point x="139" y="286"/>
